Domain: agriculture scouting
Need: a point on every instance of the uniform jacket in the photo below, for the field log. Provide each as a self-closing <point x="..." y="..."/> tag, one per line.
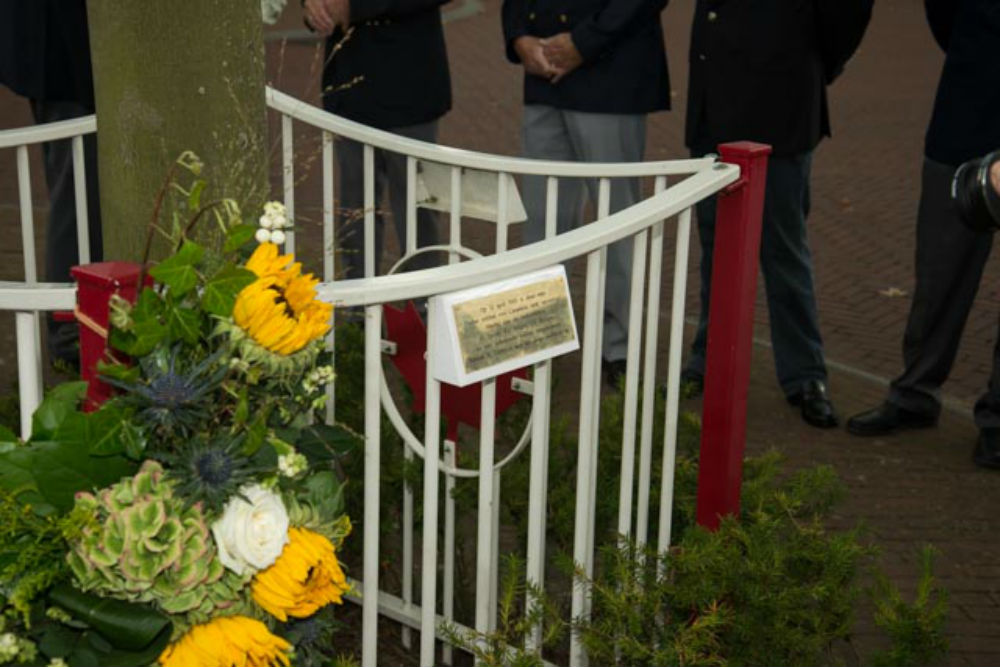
<point x="966" y="118"/>
<point x="45" y="50"/>
<point x="398" y="50"/>
<point x="621" y="42"/>
<point x="759" y="69"/>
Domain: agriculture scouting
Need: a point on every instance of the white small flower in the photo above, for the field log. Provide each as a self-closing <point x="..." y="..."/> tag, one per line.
<point x="262" y="236"/>
<point x="251" y="535"/>
<point x="277" y="237"/>
<point x="292" y="464"/>
<point x="57" y="662"/>
<point x="266" y="221"/>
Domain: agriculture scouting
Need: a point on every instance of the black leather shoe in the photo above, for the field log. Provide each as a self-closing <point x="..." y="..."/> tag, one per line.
<point x="987" y="451"/>
<point x="888" y="418"/>
<point x="817" y="410"/>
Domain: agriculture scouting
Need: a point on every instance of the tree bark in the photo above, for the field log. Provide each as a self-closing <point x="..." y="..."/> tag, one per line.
<point x="170" y="77"/>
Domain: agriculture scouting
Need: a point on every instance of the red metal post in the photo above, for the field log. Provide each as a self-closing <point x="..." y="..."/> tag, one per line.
<point x="730" y="333"/>
<point x="96" y="283"/>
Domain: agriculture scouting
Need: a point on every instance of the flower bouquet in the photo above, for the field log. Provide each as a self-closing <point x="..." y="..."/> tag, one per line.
<point x="195" y="518"/>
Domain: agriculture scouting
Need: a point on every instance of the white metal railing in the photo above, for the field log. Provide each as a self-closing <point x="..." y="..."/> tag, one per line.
<point x="642" y="224"/>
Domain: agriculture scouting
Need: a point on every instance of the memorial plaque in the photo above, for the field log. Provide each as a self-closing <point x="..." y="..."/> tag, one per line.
<point x="506" y="325"/>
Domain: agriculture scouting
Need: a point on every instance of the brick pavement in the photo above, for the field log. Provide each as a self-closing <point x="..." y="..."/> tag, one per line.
<point x="909" y="489"/>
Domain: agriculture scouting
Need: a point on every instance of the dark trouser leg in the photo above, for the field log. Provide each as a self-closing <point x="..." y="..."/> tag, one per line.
<point x="390" y="173"/>
<point x="949" y="264"/>
<point x="787" y="267"/>
<point x="427" y="232"/>
<point x="351" y="206"/>
<point x="788" y="276"/>
<point x="61" y="251"/>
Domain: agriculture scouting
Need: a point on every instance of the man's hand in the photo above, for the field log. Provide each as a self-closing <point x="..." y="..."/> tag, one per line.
<point x="561" y="52"/>
<point x="340" y="12"/>
<point x="529" y="50"/>
<point x="995" y="176"/>
<point x="318" y="16"/>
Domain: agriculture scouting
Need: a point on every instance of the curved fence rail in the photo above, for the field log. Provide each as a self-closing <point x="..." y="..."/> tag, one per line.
<point x="676" y="187"/>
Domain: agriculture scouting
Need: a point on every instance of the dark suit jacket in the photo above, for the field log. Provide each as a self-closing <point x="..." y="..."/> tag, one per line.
<point x="966" y="119"/>
<point x="45" y="50"/>
<point x="398" y="48"/>
<point x="759" y="69"/>
<point x="621" y="42"/>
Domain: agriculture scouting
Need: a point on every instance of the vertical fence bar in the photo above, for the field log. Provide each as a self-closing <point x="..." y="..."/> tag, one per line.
<point x="428" y="564"/>
<point x="373" y="415"/>
<point x="29" y="360"/>
<point x="587" y="441"/>
<point x="27" y="215"/>
<point x="603" y="211"/>
<point x="494" y="550"/>
<point x="503" y="214"/>
<point x="631" y="384"/>
<point x="484" y="535"/>
<point x="329" y="259"/>
<point x="455" y="221"/>
<point x="31" y="389"/>
<point x="410" y="246"/>
<point x="411" y="205"/>
<point x="649" y="373"/>
<point x="674" y="378"/>
<point x="551" y="206"/>
<point x="448" y="586"/>
<point x="288" y="176"/>
<point x="537" y="491"/>
<point x="730" y="342"/>
<point x="369" y="196"/>
<point x="80" y="199"/>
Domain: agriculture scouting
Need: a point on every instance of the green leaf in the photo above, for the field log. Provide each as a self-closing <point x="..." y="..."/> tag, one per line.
<point x="119" y="372"/>
<point x="125" y="625"/>
<point x="221" y="291"/>
<point x="134" y="440"/>
<point x="148" y="327"/>
<point x="177" y="272"/>
<point x="60" y="403"/>
<point x="326" y="493"/>
<point x="49" y="474"/>
<point x="6" y="435"/>
<point x="238" y="236"/>
<point x="194" y="199"/>
<point x="321" y="443"/>
<point x="184" y="324"/>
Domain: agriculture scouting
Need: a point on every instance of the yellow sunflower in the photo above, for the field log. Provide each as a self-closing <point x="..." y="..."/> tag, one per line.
<point x="279" y="310"/>
<point x="228" y="642"/>
<point x="305" y="577"/>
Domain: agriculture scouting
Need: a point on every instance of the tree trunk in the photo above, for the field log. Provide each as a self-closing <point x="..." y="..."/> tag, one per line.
<point x="170" y="77"/>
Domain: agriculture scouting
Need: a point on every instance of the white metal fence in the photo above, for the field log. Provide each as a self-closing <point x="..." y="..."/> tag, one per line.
<point x="678" y="185"/>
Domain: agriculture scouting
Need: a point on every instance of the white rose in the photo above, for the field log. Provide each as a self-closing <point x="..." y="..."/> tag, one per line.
<point x="251" y="535"/>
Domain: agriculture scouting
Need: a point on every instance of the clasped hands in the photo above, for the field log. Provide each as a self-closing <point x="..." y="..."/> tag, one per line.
<point x="324" y="16"/>
<point x="551" y="58"/>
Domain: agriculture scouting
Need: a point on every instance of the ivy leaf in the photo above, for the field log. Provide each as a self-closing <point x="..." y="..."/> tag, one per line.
<point x="177" y="272"/>
<point x="58" y="405"/>
<point x="49" y="474"/>
<point x="184" y="324"/>
<point x="325" y="493"/>
<point x="221" y="291"/>
<point x="148" y="328"/>
<point x="321" y="443"/>
<point x="237" y="236"/>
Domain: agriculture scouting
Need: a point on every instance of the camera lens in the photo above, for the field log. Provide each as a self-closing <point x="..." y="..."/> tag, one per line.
<point x="977" y="201"/>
